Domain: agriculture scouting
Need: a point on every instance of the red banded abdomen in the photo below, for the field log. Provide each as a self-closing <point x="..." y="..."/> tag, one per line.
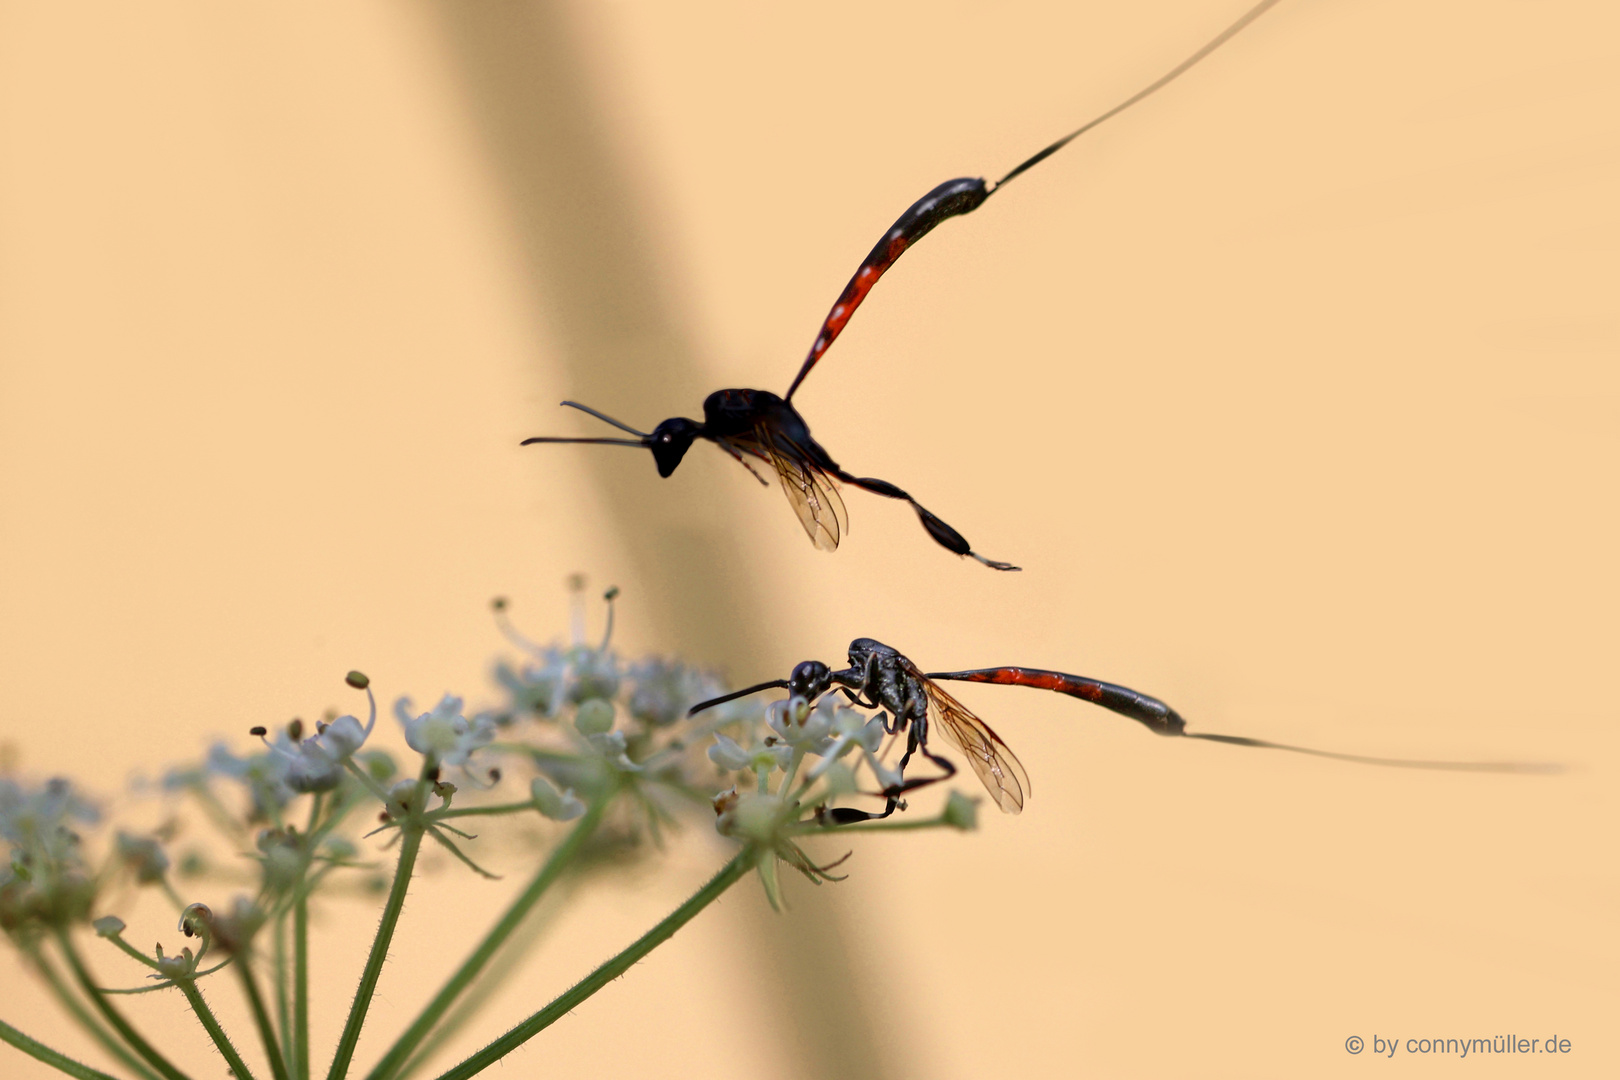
<point x="1140" y="707"/>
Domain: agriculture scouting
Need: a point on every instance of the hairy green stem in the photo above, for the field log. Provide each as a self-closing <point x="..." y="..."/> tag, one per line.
<point x="284" y="1010"/>
<point x="109" y="1042"/>
<point x="261" y="1017"/>
<point x="300" y="1037"/>
<point x="111" y="1014"/>
<point x="511" y="958"/>
<point x="40" y="1052"/>
<point x="818" y="829"/>
<point x="485" y="811"/>
<point x="210" y="1023"/>
<point x="131" y="951"/>
<point x="367" y="781"/>
<point x="519" y="909"/>
<point x="409" y="846"/>
<point x="570" y="999"/>
<point x="172" y="893"/>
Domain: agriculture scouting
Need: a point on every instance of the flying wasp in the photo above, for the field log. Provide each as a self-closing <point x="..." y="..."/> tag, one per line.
<point x="758" y="426"/>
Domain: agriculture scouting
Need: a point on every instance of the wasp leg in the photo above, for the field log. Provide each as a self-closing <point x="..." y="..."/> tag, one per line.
<point x="945" y="536"/>
<point x="947" y="770"/>
<point x="848" y="815"/>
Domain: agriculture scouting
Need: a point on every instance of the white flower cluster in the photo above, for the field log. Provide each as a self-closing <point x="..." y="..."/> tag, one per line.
<point x="49" y="879"/>
<point x="610" y="747"/>
<point x="41" y="824"/>
<point x="829" y="731"/>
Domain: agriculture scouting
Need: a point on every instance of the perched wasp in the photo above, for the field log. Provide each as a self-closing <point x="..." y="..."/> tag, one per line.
<point x="913" y="703"/>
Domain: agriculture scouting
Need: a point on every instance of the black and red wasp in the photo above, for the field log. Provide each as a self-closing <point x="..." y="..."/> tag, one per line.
<point x="914" y="704"/>
<point x="757" y="424"/>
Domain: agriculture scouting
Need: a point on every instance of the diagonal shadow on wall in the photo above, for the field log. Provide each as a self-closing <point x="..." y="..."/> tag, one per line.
<point x="584" y="240"/>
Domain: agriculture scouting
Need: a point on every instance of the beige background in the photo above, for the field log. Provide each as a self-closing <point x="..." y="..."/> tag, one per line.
<point x="1294" y="390"/>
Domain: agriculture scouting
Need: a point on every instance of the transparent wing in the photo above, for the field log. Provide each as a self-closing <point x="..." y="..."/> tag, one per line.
<point x="993" y="760"/>
<point x="742" y="452"/>
<point x="812" y="493"/>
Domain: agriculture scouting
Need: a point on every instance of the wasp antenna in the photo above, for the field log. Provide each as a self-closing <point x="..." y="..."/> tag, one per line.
<point x="606" y="419"/>
<point x="774" y="684"/>
<point x="1164" y="80"/>
<point x="600" y="442"/>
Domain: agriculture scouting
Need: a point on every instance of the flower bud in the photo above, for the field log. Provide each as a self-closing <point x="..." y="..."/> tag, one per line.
<point x="961" y="812"/>
<point x="559" y="806"/>
<point x="357" y="679"/>
<point x="401" y="795"/>
<point x="235" y="929"/>
<point x="725" y="811"/>
<point x="108" y="926"/>
<point x="144" y="856"/>
<point x="595" y="717"/>
<point x="337" y="847"/>
<point x="378" y="765"/>
<point x="757" y="817"/>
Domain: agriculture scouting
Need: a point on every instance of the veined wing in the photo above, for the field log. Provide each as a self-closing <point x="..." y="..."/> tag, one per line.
<point x="742" y="452"/>
<point x="991" y="759"/>
<point x="812" y="493"/>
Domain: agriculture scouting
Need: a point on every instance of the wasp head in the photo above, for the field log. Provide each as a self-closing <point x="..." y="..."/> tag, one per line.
<point x="670" y="440"/>
<point x="810" y="680"/>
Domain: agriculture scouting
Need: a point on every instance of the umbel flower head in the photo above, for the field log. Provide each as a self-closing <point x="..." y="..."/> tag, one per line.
<point x="45" y="881"/>
<point x="803" y="759"/>
<point x="605" y="727"/>
<point x="587" y="732"/>
<point x="611" y="753"/>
